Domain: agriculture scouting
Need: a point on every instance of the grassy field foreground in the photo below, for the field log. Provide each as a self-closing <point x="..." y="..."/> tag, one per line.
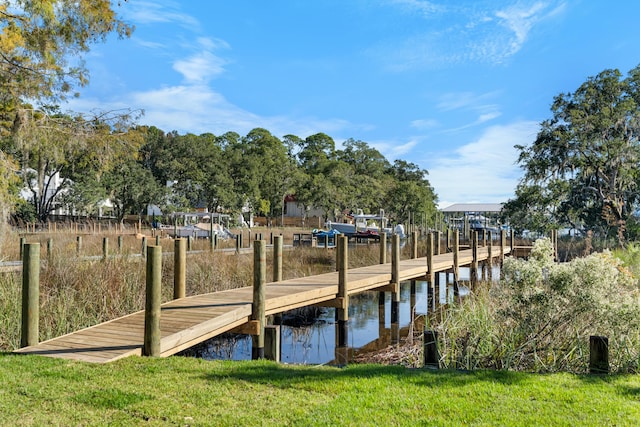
<point x="186" y="391"/>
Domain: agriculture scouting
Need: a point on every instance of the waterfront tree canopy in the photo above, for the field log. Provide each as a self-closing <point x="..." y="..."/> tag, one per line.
<point x="582" y="169"/>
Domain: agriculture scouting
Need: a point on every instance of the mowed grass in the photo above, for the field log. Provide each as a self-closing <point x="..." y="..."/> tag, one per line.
<point x="186" y="391"/>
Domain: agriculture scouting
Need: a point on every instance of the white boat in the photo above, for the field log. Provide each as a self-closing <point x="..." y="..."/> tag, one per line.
<point x="364" y="224"/>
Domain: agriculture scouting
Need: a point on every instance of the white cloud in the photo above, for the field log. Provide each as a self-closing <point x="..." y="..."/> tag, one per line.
<point x="463" y="33"/>
<point x="484" y="170"/>
<point x="154" y="12"/>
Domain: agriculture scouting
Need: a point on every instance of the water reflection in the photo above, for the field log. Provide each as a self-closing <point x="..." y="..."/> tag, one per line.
<point x="371" y="325"/>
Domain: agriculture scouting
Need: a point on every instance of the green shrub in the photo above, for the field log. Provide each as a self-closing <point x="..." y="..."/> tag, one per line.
<point x="541" y="314"/>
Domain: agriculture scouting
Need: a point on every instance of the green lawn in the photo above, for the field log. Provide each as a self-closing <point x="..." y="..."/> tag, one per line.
<point x="184" y="391"/>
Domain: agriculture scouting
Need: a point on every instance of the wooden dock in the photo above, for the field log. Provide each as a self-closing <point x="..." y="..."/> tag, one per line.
<point x="188" y="321"/>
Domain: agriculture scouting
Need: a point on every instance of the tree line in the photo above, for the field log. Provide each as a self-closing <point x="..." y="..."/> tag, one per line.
<point x="144" y="165"/>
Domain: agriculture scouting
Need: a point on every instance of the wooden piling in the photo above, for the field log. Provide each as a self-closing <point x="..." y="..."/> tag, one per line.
<point x="430" y="272"/>
<point x="456" y="255"/>
<point x="395" y="259"/>
<point x="598" y="355"/>
<point x="258" y="304"/>
<point x="105" y="248"/>
<point x="30" y="294"/>
<point x="342" y="311"/>
<point x="179" y="268"/>
<point x="272" y="342"/>
<point x="383" y="248"/>
<point x="153" y="302"/>
<point x="430" y="343"/>
<point x="277" y="258"/>
<point x="473" y="268"/>
<point x="414" y="244"/>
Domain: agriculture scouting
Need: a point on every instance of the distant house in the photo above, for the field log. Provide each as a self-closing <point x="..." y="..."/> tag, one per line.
<point x="293" y="209"/>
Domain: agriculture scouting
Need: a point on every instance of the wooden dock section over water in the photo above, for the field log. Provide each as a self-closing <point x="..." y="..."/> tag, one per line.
<point x="185" y="322"/>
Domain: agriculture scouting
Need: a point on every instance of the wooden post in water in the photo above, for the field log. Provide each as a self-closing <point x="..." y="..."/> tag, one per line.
<point x="383" y="248"/>
<point x="277" y="258"/>
<point x="598" y="355"/>
<point x="30" y="294"/>
<point x="395" y="294"/>
<point x="179" y="268"/>
<point x="258" y="305"/>
<point x="342" y="312"/>
<point x="152" y="303"/>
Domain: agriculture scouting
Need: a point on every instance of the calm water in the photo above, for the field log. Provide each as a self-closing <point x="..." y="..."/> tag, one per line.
<point x="368" y="327"/>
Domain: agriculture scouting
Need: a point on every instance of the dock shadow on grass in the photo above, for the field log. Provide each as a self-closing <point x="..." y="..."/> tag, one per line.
<point x="284" y="376"/>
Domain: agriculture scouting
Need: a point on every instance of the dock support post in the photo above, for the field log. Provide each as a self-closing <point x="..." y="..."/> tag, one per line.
<point x="473" y="269"/>
<point x="395" y="295"/>
<point x="342" y="312"/>
<point x="152" y="302"/>
<point x="383" y="248"/>
<point x="30" y="294"/>
<point x="598" y="355"/>
<point x="272" y="342"/>
<point x="277" y="258"/>
<point x="490" y="257"/>
<point x="179" y="268"/>
<point x="456" y="256"/>
<point x="258" y="305"/>
<point x="414" y="244"/>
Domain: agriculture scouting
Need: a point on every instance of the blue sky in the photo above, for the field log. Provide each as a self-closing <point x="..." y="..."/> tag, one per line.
<point x="449" y="85"/>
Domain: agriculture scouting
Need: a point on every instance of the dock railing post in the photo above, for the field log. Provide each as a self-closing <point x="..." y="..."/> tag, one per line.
<point x="153" y="302"/>
<point x="395" y="259"/>
<point x="430" y="272"/>
<point x="414" y="244"/>
<point x="30" y="294"/>
<point x="258" y="305"/>
<point x="179" y="268"/>
<point x="383" y="248"/>
<point x="490" y="257"/>
<point x="473" y="270"/>
<point x="456" y="255"/>
<point x="277" y="258"/>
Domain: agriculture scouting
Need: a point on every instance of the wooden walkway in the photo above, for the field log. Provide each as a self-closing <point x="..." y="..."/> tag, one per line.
<point x="189" y="321"/>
